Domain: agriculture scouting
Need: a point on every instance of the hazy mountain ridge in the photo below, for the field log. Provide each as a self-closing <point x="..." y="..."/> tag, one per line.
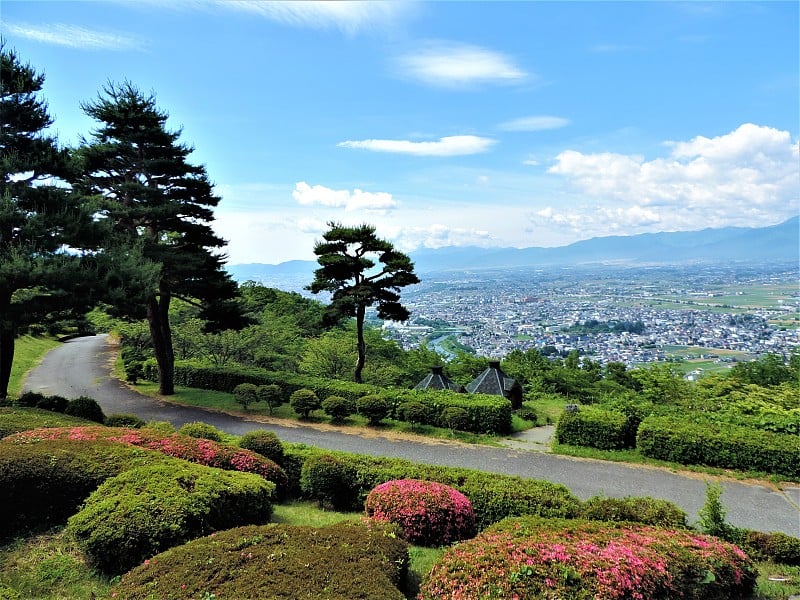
<point x="779" y="243"/>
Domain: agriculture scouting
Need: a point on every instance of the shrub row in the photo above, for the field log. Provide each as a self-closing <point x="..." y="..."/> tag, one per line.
<point x="536" y="559"/>
<point x="594" y="427"/>
<point x="196" y="450"/>
<point x="344" y="480"/>
<point x="718" y="445"/>
<point x="485" y="413"/>
<point x="145" y="510"/>
<point x="347" y="561"/>
<point x="82" y="407"/>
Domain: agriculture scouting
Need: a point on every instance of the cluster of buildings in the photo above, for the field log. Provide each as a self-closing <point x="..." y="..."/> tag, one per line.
<point x="493" y="315"/>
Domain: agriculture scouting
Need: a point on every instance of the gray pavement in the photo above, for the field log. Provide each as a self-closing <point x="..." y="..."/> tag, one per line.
<point x="82" y="367"/>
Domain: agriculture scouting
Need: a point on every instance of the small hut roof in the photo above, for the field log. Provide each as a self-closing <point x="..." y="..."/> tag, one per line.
<point x="437" y="380"/>
<point x="493" y="381"/>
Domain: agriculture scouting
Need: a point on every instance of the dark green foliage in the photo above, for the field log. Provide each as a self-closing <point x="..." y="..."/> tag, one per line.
<point x="775" y="546"/>
<point x="767" y="371"/>
<point x="146" y="510"/>
<point x="42" y="484"/>
<point x="712" y="514"/>
<point x="265" y="443"/>
<point x="413" y="412"/>
<point x="374" y="407"/>
<point x="526" y="413"/>
<point x="245" y="394"/>
<point x="329" y="480"/>
<point x="53" y="403"/>
<point x="338" y="408"/>
<point x="304" y="402"/>
<point x="717" y="445"/>
<point x="200" y="430"/>
<point x="593" y="427"/>
<point x="30" y="399"/>
<point x="645" y="510"/>
<point x="14" y="419"/>
<point x="270" y="395"/>
<point x="124" y="420"/>
<point x="456" y="418"/>
<point x="85" y="408"/>
<point x="347" y="561"/>
<point x="347" y="257"/>
<point x="493" y="496"/>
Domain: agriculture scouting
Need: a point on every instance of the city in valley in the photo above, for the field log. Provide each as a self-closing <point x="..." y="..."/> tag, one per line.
<point x="705" y="316"/>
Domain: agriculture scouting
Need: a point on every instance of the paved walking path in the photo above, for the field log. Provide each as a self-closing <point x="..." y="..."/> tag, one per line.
<point x="82" y="367"/>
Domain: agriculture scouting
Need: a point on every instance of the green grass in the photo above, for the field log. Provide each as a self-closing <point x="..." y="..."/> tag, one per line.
<point x="28" y="352"/>
<point x="769" y="585"/>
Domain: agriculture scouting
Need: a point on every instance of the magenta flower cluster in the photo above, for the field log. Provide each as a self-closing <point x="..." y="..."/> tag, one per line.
<point x="428" y="513"/>
<point x="590" y="562"/>
<point x="196" y="450"/>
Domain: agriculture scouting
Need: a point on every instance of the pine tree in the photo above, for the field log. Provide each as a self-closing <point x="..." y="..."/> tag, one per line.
<point x="43" y="226"/>
<point x="157" y="200"/>
<point x="348" y="271"/>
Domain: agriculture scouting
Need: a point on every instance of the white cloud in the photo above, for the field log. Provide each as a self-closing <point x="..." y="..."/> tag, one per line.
<point x="745" y="178"/>
<point x="454" y="145"/>
<point x="320" y="195"/>
<point x="536" y="123"/>
<point x="347" y="16"/>
<point x="437" y="236"/>
<point x="443" y="64"/>
<point x="74" y="36"/>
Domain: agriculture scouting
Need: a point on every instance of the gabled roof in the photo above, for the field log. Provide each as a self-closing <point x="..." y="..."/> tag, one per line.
<point x="437" y="380"/>
<point x="493" y="381"/>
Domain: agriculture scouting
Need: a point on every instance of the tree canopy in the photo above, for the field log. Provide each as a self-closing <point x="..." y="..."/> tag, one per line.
<point x="349" y="272"/>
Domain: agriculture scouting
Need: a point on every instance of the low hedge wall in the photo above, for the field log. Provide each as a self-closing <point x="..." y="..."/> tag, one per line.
<point x="493" y="496"/>
<point x="146" y="510"/>
<point x="486" y="414"/>
<point x="347" y="561"/>
<point x="593" y="427"/>
<point x="637" y="509"/>
<point x="718" y="445"/>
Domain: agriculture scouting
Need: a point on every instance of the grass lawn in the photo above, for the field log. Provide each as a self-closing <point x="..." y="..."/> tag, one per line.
<point x="28" y="352"/>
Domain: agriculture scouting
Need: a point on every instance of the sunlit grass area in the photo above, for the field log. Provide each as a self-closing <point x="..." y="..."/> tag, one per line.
<point x="28" y="352"/>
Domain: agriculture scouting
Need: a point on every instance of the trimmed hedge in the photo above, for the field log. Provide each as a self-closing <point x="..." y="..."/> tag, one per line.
<point x="493" y="496"/>
<point x="263" y="442"/>
<point x="718" y="445"/>
<point x="148" y="509"/>
<point x="329" y="479"/>
<point x="593" y="427"/>
<point x="347" y="561"/>
<point x="644" y="510"/>
<point x="775" y="546"/>
<point x="486" y="413"/>
<point x="201" y="431"/>
<point x="42" y="485"/>
<point x="85" y="408"/>
<point x="537" y="559"/>
<point x="14" y="419"/>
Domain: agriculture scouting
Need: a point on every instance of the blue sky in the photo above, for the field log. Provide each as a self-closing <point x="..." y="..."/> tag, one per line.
<point x="449" y="123"/>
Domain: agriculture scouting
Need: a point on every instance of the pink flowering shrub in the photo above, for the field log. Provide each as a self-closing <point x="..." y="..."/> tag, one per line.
<point x="532" y="559"/>
<point x="196" y="450"/>
<point x="428" y="513"/>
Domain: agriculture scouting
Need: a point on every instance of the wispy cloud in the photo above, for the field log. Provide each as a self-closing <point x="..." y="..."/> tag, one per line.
<point x="347" y="16"/>
<point x="536" y="123"/>
<point x="309" y="195"/>
<point x="444" y="64"/>
<point x="437" y="235"/>
<point x="455" y="145"/>
<point x="746" y="177"/>
<point x="74" y="36"/>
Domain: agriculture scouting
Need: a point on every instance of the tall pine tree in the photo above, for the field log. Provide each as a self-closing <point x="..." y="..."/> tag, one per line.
<point x="42" y="224"/>
<point x="155" y="199"/>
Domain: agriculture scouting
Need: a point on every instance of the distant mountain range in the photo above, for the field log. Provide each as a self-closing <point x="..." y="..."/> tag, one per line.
<point x="777" y="243"/>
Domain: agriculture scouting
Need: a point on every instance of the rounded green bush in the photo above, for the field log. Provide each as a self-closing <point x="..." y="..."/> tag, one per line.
<point x="53" y="403"/>
<point x="414" y="412"/>
<point x="202" y="431"/>
<point x="85" y="408"/>
<point x="146" y="510"/>
<point x="338" y="408"/>
<point x="428" y="513"/>
<point x="538" y="559"/>
<point x="775" y="546"/>
<point x="648" y="511"/>
<point x="303" y="402"/>
<point x="124" y="420"/>
<point x="30" y="399"/>
<point x="263" y="442"/>
<point x="346" y="561"/>
<point x="375" y="408"/>
<point x="330" y="480"/>
<point x="456" y="418"/>
<point x="246" y="394"/>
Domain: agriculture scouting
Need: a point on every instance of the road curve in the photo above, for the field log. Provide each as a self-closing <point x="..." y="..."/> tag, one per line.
<point x="82" y="366"/>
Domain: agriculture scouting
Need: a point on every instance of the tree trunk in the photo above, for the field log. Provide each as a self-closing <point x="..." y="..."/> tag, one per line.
<point x="361" y="345"/>
<point x="7" y="335"/>
<point x="161" y="334"/>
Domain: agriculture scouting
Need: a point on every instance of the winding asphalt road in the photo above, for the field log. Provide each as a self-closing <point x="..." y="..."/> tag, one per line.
<point x="82" y="366"/>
